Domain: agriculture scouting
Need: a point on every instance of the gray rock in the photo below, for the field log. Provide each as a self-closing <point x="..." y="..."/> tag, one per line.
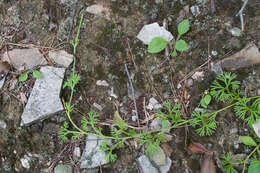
<point x="60" y="168"/>
<point x="76" y="153"/>
<point x="148" y="32"/>
<point x="2" y="83"/>
<point x="165" y="168"/>
<point x="145" y="165"/>
<point x="96" y="9"/>
<point x="102" y="83"/>
<point x="92" y="155"/>
<point x="61" y="57"/>
<point x="24" y="59"/>
<point x="216" y="68"/>
<point x="235" y="31"/>
<point x="159" y="158"/>
<point x="2" y="124"/>
<point x="157" y="124"/>
<point x="64" y="28"/>
<point x="44" y="99"/>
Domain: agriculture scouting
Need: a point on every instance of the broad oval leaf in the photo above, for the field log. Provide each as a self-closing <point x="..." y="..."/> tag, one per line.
<point x="181" y="45"/>
<point x="37" y="74"/>
<point x="183" y="27"/>
<point x="247" y="140"/>
<point x="23" y="77"/>
<point x="254" y="166"/>
<point x="157" y="45"/>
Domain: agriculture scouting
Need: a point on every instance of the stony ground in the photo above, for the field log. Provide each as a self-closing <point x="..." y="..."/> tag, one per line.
<point x="108" y="42"/>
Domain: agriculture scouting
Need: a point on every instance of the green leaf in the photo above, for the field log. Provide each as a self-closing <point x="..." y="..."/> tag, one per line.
<point x="37" y="74"/>
<point x="183" y="27"/>
<point x="254" y="167"/>
<point x="157" y="45"/>
<point x="247" y="140"/>
<point x="174" y="53"/>
<point x="23" y="77"/>
<point x="205" y="101"/>
<point x="181" y="45"/>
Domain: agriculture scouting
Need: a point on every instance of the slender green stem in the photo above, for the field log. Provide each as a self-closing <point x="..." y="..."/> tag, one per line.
<point x="246" y="160"/>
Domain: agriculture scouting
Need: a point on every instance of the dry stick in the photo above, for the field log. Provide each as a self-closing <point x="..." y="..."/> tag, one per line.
<point x="133" y="95"/>
<point x="240" y="13"/>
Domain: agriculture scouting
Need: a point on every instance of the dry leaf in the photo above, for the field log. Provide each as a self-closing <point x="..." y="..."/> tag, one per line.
<point x="197" y="148"/>
<point x="208" y="166"/>
<point x="117" y="116"/>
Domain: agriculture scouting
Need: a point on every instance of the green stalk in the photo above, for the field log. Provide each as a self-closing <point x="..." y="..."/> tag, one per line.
<point x="245" y="161"/>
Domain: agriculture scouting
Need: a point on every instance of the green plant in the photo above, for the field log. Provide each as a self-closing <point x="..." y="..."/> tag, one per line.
<point x="254" y="166"/>
<point x="24" y="76"/>
<point x="225" y="89"/>
<point x="157" y="44"/>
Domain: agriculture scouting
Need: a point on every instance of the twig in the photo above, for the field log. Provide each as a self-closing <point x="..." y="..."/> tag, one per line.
<point x="240" y="13"/>
<point x="133" y="95"/>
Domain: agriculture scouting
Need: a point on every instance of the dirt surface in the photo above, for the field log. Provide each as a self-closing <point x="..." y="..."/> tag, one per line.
<point x="108" y="42"/>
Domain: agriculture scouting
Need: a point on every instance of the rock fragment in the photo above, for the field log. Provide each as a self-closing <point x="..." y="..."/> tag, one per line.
<point x="195" y="10"/>
<point x="235" y="31"/>
<point x="148" y="32"/>
<point x="96" y="9"/>
<point x="61" y="57"/>
<point x="153" y="104"/>
<point x="92" y="155"/>
<point x="2" y="81"/>
<point x="256" y="127"/>
<point x="24" y="59"/>
<point x="159" y="157"/>
<point x="25" y="161"/>
<point x="3" y="125"/>
<point x="44" y="99"/>
<point x="61" y="168"/>
<point x="245" y="58"/>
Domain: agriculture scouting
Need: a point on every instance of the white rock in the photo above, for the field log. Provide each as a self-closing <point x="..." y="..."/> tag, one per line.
<point x="25" y="161"/>
<point x="61" y="57"/>
<point x="44" y="99"/>
<point x="2" y="124"/>
<point x="96" y="9"/>
<point x="153" y="104"/>
<point x="2" y="83"/>
<point x="195" y="10"/>
<point x="99" y="107"/>
<point x="148" y="32"/>
<point x="102" y="83"/>
<point x="24" y="59"/>
<point x="76" y="153"/>
<point x="92" y="155"/>
<point x="256" y="128"/>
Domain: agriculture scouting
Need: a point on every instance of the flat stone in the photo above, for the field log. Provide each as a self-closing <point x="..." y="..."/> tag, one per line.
<point x="92" y="155"/>
<point x="245" y="58"/>
<point x="24" y="59"/>
<point x="96" y="9"/>
<point x="145" y="165"/>
<point x="61" y="57"/>
<point x="44" y="99"/>
<point x="159" y="157"/>
<point x="148" y="32"/>
<point x="60" y="168"/>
